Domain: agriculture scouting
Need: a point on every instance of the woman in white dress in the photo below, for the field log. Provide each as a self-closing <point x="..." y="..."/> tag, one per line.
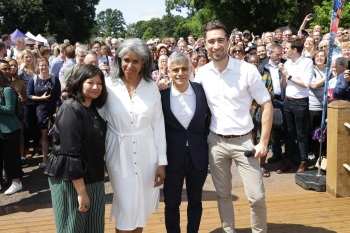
<point x="135" y="143"/>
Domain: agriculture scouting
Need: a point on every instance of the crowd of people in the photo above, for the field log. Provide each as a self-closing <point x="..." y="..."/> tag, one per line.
<point x="158" y="112"/>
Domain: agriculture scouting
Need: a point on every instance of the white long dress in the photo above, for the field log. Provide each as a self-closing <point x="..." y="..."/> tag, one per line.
<point x="135" y="147"/>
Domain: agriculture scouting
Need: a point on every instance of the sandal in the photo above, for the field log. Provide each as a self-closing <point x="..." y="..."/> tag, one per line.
<point x="266" y="173"/>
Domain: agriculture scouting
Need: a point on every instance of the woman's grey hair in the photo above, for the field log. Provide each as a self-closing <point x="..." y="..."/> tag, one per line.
<point x="177" y="57"/>
<point x="141" y="49"/>
<point x="81" y="49"/>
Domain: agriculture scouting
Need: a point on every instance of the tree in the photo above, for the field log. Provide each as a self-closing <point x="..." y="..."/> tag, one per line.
<point x="69" y="19"/>
<point x="111" y="23"/>
<point x="324" y="12"/>
<point x="257" y="16"/>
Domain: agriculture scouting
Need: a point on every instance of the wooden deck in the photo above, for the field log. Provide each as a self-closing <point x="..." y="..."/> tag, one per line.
<point x="291" y="209"/>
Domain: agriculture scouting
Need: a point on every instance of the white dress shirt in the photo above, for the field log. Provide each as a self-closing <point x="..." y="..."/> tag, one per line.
<point x="302" y="69"/>
<point x="183" y="105"/>
<point x="276" y="81"/>
<point x="230" y="95"/>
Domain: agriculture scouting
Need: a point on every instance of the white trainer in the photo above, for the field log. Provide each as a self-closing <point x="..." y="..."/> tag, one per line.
<point x="15" y="187"/>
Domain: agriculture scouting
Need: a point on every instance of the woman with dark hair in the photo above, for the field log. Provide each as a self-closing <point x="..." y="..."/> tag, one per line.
<point x="10" y="130"/>
<point x="135" y="142"/>
<point x="76" y="165"/>
<point x="21" y="90"/>
<point x="45" y="92"/>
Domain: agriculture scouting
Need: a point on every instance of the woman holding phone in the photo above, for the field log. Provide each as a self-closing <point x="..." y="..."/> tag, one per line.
<point x="45" y="91"/>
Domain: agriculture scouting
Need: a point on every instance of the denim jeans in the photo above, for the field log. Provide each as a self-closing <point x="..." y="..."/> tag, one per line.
<point x="298" y="127"/>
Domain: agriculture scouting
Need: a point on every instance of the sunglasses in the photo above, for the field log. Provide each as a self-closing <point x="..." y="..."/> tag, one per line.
<point x="236" y="51"/>
<point x="345" y="33"/>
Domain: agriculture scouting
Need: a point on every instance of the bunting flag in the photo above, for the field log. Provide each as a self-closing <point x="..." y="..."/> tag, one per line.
<point x="336" y="13"/>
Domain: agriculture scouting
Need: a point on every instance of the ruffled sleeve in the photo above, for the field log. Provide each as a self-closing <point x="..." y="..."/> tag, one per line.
<point x="67" y="161"/>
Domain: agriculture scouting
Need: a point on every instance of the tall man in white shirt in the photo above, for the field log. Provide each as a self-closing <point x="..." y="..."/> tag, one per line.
<point x="297" y="73"/>
<point x="230" y="85"/>
<point x="185" y="112"/>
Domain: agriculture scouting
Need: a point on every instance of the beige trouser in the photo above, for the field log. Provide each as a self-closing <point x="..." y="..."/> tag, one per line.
<point x="221" y="153"/>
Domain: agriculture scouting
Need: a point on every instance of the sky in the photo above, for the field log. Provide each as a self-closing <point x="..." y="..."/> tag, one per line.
<point x="136" y="10"/>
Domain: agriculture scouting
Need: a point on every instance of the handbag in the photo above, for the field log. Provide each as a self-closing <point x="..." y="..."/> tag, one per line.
<point x="66" y="167"/>
<point x="277" y="121"/>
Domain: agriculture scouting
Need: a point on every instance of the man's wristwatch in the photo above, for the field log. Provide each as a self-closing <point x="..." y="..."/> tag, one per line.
<point x="290" y="77"/>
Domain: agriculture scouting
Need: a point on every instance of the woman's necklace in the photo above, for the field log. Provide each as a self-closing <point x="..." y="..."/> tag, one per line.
<point x="95" y="117"/>
<point x="131" y="87"/>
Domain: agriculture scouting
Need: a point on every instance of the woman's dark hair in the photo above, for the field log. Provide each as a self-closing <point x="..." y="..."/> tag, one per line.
<point x="75" y="85"/>
<point x="3" y="81"/>
<point x="141" y="49"/>
<point x="160" y="48"/>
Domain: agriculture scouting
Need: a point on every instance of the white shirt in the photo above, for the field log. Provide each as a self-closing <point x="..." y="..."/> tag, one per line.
<point x="276" y="81"/>
<point x="183" y="105"/>
<point x="301" y="69"/>
<point x="230" y="95"/>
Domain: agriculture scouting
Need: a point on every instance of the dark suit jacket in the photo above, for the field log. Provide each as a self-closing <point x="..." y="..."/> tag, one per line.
<point x="283" y="89"/>
<point x="196" y="133"/>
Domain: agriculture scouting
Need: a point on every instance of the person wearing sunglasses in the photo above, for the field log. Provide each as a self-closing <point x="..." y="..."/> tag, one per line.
<point x="237" y="52"/>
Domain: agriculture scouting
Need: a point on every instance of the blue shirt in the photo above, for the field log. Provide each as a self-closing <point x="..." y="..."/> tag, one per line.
<point x="342" y="89"/>
<point x="55" y="66"/>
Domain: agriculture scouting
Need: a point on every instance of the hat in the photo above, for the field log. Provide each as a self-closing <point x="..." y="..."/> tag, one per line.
<point x="246" y="32"/>
<point x="29" y="42"/>
<point x="253" y="46"/>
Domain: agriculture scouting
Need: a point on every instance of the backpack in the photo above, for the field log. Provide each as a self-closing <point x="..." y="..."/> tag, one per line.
<point x="19" y="110"/>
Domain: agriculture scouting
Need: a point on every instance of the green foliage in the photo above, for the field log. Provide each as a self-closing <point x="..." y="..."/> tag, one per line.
<point x="111" y="23"/>
<point x="167" y="26"/>
<point x="69" y="19"/>
<point x="324" y="12"/>
<point x="258" y="16"/>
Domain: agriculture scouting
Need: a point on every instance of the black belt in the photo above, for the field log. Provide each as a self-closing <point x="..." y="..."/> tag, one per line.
<point x="293" y="99"/>
<point x="231" y="136"/>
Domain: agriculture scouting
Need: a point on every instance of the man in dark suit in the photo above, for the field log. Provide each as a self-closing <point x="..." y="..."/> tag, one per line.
<point x="185" y="114"/>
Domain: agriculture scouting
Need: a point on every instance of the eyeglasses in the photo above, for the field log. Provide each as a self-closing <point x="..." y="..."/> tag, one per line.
<point x="236" y="51"/>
